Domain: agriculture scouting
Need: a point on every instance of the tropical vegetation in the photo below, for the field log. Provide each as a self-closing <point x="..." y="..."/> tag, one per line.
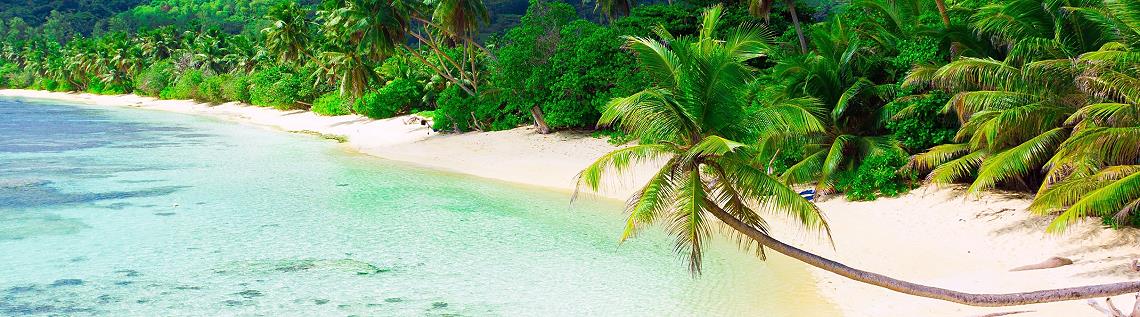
<point x="740" y="104"/>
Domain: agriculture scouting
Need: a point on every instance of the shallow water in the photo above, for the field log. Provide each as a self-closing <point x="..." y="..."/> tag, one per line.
<point x="116" y="211"/>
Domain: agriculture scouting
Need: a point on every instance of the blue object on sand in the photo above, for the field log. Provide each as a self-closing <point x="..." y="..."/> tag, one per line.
<point x="808" y="194"/>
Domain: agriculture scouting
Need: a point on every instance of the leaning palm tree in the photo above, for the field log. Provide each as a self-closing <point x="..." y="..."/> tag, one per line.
<point x="689" y="119"/>
<point x="686" y="121"/>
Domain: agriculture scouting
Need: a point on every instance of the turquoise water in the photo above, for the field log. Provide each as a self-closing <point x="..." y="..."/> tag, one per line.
<point x="117" y="211"/>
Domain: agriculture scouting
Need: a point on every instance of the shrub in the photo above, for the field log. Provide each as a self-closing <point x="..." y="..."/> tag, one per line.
<point x="236" y="88"/>
<point x="210" y="90"/>
<point x="920" y="123"/>
<point x="280" y="88"/>
<point x="95" y="86"/>
<point x="155" y="78"/>
<point x="569" y="76"/>
<point x="397" y="97"/>
<point x="877" y="175"/>
<point x="64" y="86"/>
<point x="186" y="87"/>
<point x="261" y="86"/>
<point x="19" y="78"/>
<point x="331" y="104"/>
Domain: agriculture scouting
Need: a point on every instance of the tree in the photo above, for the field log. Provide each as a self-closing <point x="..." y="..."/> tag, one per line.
<point x="688" y="118"/>
<point x="761" y="8"/>
<point x="289" y="35"/>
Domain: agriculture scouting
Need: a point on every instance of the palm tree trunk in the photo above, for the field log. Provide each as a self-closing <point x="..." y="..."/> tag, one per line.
<point x="539" y="121"/>
<point x="946" y="22"/>
<point x="796" y="22"/>
<point x="942" y="11"/>
<point x="989" y="300"/>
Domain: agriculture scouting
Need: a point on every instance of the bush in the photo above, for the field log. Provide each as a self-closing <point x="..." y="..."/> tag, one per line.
<point x="876" y="176"/>
<point x="1132" y="220"/>
<point x="19" y="78"/>
<point x="95" y="86"/>
<point x="458" y="111"/>
<point x="570" y="77"/>
<point x="280" y="88"/>
<point x="921" y="123"/>
<point x="154" y="79"/>
<point x="236" y="88"/>
<point x="397" y="97"/>
<point x="64" y="86"/>
<point x="331" y="104"/>
<point x="186" y="87"/>
<point x="261" y="86"/>
<point x="210" y="90"/>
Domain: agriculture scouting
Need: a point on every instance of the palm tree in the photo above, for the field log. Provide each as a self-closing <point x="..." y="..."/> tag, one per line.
<point x="834" y="73"/>
<point x="289" y="35"/>
<point x="613" y="9"/>
<point x="762" y="8"/>
<point x="349" y="68"/>
<point x="1013" y="111"/>
<point x="687" y="120"/>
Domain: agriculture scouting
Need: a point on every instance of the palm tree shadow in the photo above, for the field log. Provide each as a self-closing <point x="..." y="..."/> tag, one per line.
<point x="353" y="121"/>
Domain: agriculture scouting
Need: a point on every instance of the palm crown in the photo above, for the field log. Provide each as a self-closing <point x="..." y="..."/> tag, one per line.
<point x="689" y="119"/>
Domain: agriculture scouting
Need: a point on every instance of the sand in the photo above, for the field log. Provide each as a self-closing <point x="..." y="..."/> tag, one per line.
<point x="933" y="236"/>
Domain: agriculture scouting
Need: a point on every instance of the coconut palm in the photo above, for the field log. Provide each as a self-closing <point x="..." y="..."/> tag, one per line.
<point x="288" y="37"/>
<point x="351" y="69"/>
<point x="762" y="8"/>
<point x="687" y="120"/>
<point x="613" y="9"/>
<point x="833" y="73"/>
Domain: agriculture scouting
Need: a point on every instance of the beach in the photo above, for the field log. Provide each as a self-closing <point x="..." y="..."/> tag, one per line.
<point x="933" y="236"/>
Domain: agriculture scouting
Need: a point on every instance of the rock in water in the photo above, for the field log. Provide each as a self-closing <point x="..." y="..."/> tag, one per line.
<point x="1047" y="264"/>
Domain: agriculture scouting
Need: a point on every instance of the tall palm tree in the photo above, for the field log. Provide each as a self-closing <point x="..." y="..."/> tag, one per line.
<point x="762" y="8"/>
<point x="687" y="120"/>
<point x="613" y="9"/>
<point x="289" y="35"/>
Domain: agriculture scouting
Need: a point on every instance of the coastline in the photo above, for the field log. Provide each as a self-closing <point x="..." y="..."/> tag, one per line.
<point x="931" y="236"/>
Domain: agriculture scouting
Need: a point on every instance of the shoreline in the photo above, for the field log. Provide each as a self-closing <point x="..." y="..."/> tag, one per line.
<point x="931" y="236"/>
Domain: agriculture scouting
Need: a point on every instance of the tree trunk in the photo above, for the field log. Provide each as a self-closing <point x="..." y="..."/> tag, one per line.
<point x="989" y="300"/>
<point x="796" y="22"/>
<point x="942" y="11"/>
<point x="946" y="22"/>
<point x="539" y="122"/>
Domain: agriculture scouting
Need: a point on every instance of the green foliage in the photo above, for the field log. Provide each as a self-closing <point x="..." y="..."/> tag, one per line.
<point x="261" y="92"/>
<point x="570" y="76"/>
<point x="281" y="88"/>
<point x="397" y="97"/>
<point x="331" y="104"/>
<point x="156" y="77"/>
<point x="186" y="87"/>
<point x="211" y="89"/>
<point x="456" y="111"/>
<point x="919" y="122"/>
<point x="876" y="176"/>
<point x="236" y="88"/>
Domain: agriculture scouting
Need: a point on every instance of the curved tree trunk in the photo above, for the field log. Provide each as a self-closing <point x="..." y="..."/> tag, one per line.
<point x="989" y="300"/>
<point x="796" y="22"/>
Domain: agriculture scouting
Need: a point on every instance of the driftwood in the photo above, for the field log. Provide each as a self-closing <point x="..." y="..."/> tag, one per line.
<point x="1110" y="309"/>
<point x="1047" y="264"/>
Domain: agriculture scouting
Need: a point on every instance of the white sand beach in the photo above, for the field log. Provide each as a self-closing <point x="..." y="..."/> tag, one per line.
<point x="930" y="236"/>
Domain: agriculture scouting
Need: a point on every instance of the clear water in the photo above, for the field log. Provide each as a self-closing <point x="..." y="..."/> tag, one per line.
<point x="116" y="211"/>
